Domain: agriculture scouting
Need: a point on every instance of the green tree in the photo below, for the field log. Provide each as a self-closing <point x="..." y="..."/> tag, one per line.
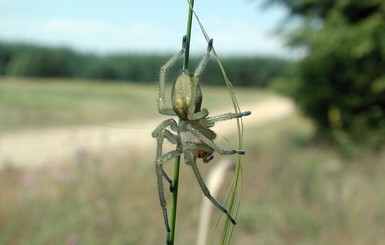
<point x="39" y="61"/>
<point x="42" y="62"/>
<point x="340" y="83"/>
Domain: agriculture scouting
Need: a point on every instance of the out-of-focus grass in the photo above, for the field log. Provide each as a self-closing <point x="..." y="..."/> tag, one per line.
<point x="41" y="103"/>
<point x="31" y="103"/>
<point x="296" y="191"/>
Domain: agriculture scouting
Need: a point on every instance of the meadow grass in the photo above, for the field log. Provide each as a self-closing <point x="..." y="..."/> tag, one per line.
<point x="41" y="103"/>
<point x="296" y="190"/>
<point x="34" y="103"/>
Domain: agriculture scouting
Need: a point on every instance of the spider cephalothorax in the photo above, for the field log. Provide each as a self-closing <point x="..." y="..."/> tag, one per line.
<point x="193" y="135"/>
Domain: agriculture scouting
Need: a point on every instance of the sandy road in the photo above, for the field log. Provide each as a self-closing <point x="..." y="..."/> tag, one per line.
<point x="41" y="147"/>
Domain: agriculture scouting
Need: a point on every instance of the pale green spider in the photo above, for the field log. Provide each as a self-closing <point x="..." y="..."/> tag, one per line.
<point x="192" y="135"/>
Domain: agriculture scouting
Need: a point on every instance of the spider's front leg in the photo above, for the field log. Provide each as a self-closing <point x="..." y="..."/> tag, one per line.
<point x="193" y="113"/>
<point x="162" y="81"/>
<point x="202" y="64"/>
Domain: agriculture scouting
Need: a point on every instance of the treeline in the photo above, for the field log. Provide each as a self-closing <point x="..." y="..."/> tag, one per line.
<point x="37" y="61"/>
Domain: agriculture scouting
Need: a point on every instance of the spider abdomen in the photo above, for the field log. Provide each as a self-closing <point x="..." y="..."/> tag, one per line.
<point x="182" y="95"/>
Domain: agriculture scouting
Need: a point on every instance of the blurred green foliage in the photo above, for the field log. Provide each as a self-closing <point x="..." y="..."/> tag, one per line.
<point x="37" y="61"/>
<point x="340" y="83"/>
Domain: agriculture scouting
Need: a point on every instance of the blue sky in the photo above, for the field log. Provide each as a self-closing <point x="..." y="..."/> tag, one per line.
<point x="239" y="27"/>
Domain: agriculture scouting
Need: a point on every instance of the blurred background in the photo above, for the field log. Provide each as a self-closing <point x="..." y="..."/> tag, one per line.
<point x="78" y="102"/>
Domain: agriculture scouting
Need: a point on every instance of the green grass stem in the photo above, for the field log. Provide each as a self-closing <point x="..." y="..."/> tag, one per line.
<point x="177" y="160"/>
<point x="188" y="35"/>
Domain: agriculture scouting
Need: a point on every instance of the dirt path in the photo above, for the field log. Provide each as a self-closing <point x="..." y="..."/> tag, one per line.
<point x="41" y="147"/>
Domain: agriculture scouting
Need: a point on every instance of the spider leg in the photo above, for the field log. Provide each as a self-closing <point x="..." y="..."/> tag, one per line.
<point x="189" y="155"/>
<point x="159" y="174"/>
<point x="196" y="101"/>
<point x="210" y="121"/>
<point x="201" y="147"/>
<point x="200" y="114"/>
<point x="169" y="122"/>
<point x="192" y="115"/>
<point x="162" y="80"/>
<point x="161" y="133"/>
<point x="202" y="64"/>
<point x="208" y="133"/>
<point x="195" y="130"/>
<point x="170" y="137"/>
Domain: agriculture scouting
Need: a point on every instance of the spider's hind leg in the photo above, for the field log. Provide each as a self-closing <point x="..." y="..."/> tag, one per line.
<point x="204" y="188"/>
<point x="196" y="131"/>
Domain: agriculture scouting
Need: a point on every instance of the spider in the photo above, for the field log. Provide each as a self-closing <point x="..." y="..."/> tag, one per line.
<point x="192" y="136"/>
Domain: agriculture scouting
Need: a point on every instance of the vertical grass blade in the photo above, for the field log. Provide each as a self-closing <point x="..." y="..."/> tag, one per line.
<point x="177" y="160"/>
<point x="234" y="194"/>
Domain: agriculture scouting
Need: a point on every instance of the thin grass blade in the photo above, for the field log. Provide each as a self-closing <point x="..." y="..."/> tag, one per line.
<point x="234" y="195"/>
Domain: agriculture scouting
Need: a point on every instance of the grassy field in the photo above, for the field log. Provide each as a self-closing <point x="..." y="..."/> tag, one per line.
<point x="295" y="190"/>
<point x="45" y="103"/>
<point x="37" y="103"/>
